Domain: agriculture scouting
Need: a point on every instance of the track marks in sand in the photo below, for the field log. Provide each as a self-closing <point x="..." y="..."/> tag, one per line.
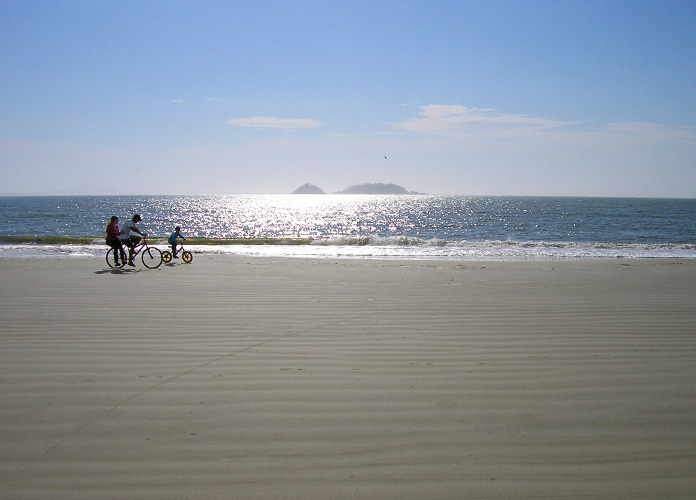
<point x="359" y="379"/>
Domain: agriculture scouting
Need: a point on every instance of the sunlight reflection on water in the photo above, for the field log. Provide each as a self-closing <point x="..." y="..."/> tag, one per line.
<point x="370" y="225"/>
<point x="292" y="216"/>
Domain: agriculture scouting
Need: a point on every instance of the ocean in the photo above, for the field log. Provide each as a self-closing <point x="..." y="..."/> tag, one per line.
<point x="361" y="226"/>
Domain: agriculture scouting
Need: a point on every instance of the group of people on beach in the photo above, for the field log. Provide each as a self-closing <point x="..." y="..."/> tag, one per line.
<point x="117" y="238"/>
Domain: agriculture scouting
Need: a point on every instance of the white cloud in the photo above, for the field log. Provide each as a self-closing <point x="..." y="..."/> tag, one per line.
<point x="476" y="124"/>
<point x="273" y="122"/>
<point x="653" y="131"/>
<point x="455" y="120"/>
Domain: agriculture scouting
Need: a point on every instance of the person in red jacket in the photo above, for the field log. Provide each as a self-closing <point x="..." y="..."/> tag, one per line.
<point x="113" y="240"/>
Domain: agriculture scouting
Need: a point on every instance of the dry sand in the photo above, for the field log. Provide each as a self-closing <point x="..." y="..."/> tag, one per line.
<point x="249" y="378"/>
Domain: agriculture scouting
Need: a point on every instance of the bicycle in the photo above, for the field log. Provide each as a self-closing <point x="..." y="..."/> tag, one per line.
<point x="186" y="256"/>
<point x="151" y="257"/>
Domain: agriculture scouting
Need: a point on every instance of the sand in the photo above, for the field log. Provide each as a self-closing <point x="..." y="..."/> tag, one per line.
<point x="256" y="378"/>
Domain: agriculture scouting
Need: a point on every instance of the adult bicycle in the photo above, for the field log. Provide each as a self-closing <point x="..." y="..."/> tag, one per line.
<point x="186" y="256"/>
<point x="151" y="257"/>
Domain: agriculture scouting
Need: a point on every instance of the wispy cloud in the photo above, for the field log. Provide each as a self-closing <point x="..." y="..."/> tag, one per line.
<point x="650" y="131"/>
<point x="273" y="122"/>
<point x="217" y="102"/>
<point x="211" y="100"/>
<point x="455" y="120"/>
<point x="479" y="124"/>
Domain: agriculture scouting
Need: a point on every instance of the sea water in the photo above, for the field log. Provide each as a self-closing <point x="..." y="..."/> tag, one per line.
<point x="377" y="226"/>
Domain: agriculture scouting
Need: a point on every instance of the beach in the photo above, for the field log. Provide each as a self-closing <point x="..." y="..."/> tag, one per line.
<point x="278" y="378"/>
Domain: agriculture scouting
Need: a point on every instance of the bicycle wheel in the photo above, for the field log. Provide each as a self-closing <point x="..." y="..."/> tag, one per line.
<point x="166" y="256"/>
<point x="111" y="259"/>
<point x="152" y="257"/>
<point x="187" y="256"/>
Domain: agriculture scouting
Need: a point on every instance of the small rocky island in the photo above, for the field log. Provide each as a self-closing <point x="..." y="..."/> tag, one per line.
<point x="308" y="189"/>
<point x="376" y="188"/>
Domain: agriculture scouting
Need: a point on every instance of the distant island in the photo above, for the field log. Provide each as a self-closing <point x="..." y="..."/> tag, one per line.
<point x="376" y="188"/>
<point x="308" y="189"/>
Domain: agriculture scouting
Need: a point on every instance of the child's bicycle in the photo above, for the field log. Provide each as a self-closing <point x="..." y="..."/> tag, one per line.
<point x="186" y="256"/>
<point x="151" y="256"/>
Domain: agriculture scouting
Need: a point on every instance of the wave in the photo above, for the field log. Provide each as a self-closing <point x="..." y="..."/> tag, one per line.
<point x="157" y="240"/>
<point x="361" y="246"/>
<point x="373" y="240"/>
<point x="50" y="240"/>
<point x="400" y="241"/>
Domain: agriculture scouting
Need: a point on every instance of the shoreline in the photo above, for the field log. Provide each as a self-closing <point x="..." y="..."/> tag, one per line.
<point x="280" y="377"/>
<point x="485" y="251"/>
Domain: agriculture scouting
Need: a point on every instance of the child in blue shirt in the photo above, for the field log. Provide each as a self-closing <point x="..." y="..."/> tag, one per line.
<point x="173" y="239"/>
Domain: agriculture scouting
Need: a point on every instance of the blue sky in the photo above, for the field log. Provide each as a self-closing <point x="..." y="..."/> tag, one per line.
<point x="462" y="97"/>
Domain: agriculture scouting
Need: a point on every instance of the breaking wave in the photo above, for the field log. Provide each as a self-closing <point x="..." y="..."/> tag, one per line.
<point x="361" y="247"/>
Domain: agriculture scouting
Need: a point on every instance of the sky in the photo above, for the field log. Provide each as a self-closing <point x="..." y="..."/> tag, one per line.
<point x="549" y="98"/>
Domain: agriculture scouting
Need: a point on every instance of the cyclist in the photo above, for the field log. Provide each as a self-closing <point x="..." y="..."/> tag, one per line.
<point x="130" y="240"/>
<point x="113" y="239"/>
<point x="173" y="239"/>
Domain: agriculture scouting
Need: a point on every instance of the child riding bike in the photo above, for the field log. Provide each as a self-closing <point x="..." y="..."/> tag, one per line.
<point x="173" y="240"/>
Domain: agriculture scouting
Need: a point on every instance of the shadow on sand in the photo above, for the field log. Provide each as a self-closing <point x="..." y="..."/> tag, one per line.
<point x="124" y="270"/>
